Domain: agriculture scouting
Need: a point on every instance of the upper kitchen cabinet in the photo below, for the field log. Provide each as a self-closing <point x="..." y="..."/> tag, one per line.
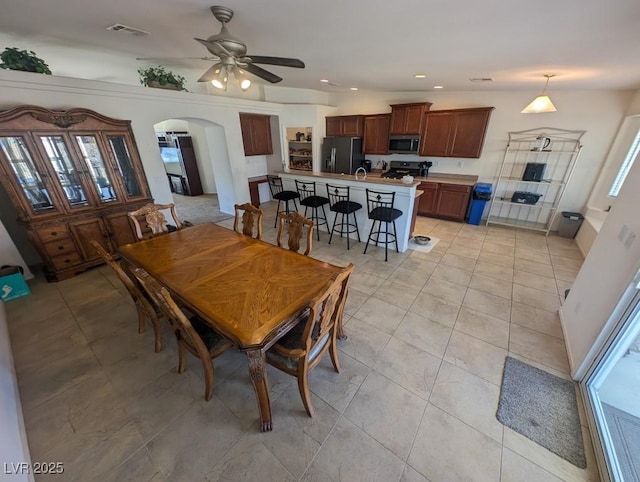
<point x="72" y="177"/>
<point x="376" y="134"/>
<point x="345" y="125"/>
<point x="408" y="118"/>
<point x="455" y="132"/>
<point x="256" y="134"/>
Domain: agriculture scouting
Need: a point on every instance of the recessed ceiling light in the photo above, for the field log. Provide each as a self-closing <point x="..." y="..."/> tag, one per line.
<point x="419" y="76"/>
<point x="353" y="88"/>
<point x="324" y="80"/>
<point x="438" y="86"/>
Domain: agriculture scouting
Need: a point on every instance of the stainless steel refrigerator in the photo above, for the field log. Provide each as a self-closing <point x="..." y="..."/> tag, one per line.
<point x="341" y="154"/>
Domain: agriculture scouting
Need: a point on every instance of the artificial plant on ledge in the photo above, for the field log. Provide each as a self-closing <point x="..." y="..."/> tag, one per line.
<point x="160" y="77"/>
<point x="24" y="60"/>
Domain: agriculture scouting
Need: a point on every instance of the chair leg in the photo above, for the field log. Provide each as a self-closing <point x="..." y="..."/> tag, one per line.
<point x="386" y="241"/>
<point x="395" y="235"/>
<point x="343" y="224"/>
<point x="333" y="349"/>
<point x="294" y="204"/>
<point x="207" y="366"/>
<point x="333" y="228"/>
<point x="315" y="213"/>
<point x="182" y="355"/>
<point x="303" y="387"/>
<point x="324" y="213"/>
<point x="369" y="238"/>
<point x="157" y="331"/>
<point x="277" y="214"/>
<point x="142" y="315"/>
<point x="355" y="220"/>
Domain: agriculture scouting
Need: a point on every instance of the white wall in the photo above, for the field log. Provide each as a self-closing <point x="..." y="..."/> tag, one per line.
<point x="13" y="441"/>
<point x="606" y="273"/>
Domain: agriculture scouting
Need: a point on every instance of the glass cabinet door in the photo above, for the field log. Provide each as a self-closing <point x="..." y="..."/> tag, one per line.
<point x="25" y="172"/>
<point x="125" y="166"/>
<point x="96" y="168"/>
<point x="69" y="177"/>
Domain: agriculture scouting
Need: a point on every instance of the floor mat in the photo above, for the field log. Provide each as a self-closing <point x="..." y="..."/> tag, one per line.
<point x="543" y="408"/>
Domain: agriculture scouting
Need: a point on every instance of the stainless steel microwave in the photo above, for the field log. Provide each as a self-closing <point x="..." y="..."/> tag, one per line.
<point x="404" y="144"/>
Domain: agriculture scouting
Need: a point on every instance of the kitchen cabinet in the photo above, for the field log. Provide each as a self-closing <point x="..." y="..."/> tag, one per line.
<point x="256" y="134"/>
<point x="376" y="134"/>
<point x="72" y="176"/>
<point x="455" y="132"/>
<point x="444" y="200"/>
<point x="521" y="199"/>
<point x="408" y="118"/>
<point x="345" y="125"/>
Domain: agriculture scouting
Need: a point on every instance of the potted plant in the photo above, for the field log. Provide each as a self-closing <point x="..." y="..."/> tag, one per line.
<point x="160" y="77"/>
<point x="25" y="60"/>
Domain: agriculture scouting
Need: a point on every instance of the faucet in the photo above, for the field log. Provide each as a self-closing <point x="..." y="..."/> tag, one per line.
<point x="358" y="170"/>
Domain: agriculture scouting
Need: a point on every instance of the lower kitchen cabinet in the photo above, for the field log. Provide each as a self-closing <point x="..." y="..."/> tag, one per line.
<point x="443" y="200"/>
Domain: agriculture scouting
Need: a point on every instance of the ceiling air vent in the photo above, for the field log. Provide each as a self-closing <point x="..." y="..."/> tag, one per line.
<point x="118" y="27"/>
<point x="481" y="79"/>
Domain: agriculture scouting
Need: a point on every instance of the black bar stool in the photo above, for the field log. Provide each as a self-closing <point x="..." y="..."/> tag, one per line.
<point x="278" y="192"/>
<point x="381" y="210"/>
<point x="309" y="199"/>
<point x="340" y="203"/>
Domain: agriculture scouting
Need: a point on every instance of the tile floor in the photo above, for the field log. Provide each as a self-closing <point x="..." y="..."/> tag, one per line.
<point x="415" y="400"/>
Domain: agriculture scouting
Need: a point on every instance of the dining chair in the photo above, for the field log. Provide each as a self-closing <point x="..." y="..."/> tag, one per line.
<point x="192" y="334"/>
<point x="151" y="214"/>
<point x="302" y="348"/>
<point x="144" y="306"/>
<point x="282" y="195"/>
<point x="296" y="223"/>
<point x="250" y="217"/>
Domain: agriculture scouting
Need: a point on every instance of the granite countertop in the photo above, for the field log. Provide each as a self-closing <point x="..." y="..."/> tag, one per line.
<point x="371" y="178"/>
<point x="443" y="178"/>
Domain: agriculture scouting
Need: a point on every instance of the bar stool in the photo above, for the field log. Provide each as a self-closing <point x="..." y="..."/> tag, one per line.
<point x="340" y="203"/>
<point x="381" y="210"/>
<point x="309" y="199"/>
<point x="278" y="192"/>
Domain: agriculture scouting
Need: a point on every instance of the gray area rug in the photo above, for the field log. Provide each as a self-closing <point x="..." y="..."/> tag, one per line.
<point x="543" y="408"/>
<point x="625" y="435"/>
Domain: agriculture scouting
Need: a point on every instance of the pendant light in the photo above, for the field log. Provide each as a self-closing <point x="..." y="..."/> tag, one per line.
<point x="220" y="78"/>
<point x="542" y="103"/>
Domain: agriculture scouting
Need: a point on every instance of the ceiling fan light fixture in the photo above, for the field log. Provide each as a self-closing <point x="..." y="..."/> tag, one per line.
<point x="242" y="79"/>
<point x="542" y="103"/>
<point x="219" y="81"/>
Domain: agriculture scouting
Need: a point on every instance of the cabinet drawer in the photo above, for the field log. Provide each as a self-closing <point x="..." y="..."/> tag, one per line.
<point x="66" y="260"/>
<point x="63" y="246"/>
<point x="428" y="185"/>
<point x="455" y="187"/>
<point x="53" y="233"/>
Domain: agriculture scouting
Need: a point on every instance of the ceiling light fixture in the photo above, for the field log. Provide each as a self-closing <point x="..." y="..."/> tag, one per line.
<point x="242" y="79"/>
<point x="419" y="76"/>
<point x="324" y="80"/>
<point x="438" y="86"/>
<point x="542" y="103"/>
<point x="219" y="81"/>
<point x="353" y="88"/>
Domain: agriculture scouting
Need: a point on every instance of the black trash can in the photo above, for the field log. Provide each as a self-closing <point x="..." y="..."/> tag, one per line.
<point x="569" y="224"/>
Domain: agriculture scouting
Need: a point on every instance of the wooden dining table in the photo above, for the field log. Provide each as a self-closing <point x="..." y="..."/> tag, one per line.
<point x="250" y="291"/>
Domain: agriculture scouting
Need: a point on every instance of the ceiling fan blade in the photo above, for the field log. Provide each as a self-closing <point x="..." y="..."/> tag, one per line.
<point x="285" y="62"/>
<point x="209" y="74"/>
<point x="160" y="59"/>
<point x="263" y="74"/>
<point x="214" y="47"/>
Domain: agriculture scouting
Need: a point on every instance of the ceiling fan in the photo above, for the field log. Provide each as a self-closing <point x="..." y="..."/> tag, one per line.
<point x="231" y="55"/>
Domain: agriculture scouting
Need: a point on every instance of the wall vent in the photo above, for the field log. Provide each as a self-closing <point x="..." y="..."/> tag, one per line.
<point x="118" y="27"/>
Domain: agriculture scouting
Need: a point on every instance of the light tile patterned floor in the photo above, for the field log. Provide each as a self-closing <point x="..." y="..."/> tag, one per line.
<point x="415" y="400"/>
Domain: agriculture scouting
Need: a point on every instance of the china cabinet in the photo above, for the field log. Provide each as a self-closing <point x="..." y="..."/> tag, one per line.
<point x="72" y="176"/>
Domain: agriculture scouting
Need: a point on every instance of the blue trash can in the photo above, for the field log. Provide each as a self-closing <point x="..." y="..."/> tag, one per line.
<point x="481" y="194"/>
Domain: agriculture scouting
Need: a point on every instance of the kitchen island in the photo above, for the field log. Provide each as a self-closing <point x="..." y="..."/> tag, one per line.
<point x="404" y="201"/>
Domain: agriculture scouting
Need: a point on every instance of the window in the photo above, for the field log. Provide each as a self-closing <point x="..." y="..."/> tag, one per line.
<point x="626" y="166"/>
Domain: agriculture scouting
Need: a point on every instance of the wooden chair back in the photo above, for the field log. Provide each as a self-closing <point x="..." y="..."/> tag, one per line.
<point x="154" y="219"/>
<point x="296" y="223"/>
<point x="339" y="312"/>
<point x="251" y="217"/>
<point x="180" y="324"/>
<point x="143" y="305"/>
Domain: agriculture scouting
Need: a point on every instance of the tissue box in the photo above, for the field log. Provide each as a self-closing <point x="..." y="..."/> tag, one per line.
<point x="12" y="284"/>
